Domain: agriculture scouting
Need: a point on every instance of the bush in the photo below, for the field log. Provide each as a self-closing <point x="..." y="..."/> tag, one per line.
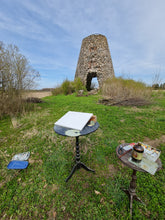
<point x="78" y="85"/>
<point x="13" y="105"/>
<point x="57" y="91"/>
<point x="155" y="86"/>
<point x="69" y="87"/>
<point x="119" y="88"/>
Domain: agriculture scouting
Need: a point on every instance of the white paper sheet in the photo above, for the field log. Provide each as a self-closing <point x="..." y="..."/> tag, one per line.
<point x="74" y="120"/>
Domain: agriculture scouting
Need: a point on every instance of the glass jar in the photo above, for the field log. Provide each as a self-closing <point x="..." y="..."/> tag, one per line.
<point x="137" y="152"/>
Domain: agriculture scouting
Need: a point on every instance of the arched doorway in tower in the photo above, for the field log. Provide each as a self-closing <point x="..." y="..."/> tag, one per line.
<point x="91" y="81"/>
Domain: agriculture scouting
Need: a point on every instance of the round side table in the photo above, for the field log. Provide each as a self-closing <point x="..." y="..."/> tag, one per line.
<point x="68" y="132"/>
<point x="124" y="156"/>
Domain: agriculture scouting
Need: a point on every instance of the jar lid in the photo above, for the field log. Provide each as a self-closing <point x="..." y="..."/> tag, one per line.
<point x="138" y="148"/>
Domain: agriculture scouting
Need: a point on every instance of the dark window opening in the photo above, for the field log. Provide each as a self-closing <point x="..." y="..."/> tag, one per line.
<point x="89" y="83"/>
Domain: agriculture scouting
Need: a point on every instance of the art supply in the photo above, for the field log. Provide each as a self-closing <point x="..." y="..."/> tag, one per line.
<point x="125" y="153"/>
<point x="145" y="164"/>
<point x="94" y="118"/>
<point x="137" y="153"/>
<point x="74" y="120"/>
<point x="150" y="152"/>
<point x="17" y="165"/>
<point x="21" y="156"/>
<point x="72" y="133"/>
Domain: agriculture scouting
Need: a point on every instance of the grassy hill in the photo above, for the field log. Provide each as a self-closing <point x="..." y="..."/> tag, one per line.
<point x="40" y="191"/>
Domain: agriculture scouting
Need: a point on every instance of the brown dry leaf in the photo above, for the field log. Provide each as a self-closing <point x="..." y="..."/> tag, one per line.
<point x="138" y="117"/>
<point x="40" y="161"/>
<point x="24" y="184"/>
<point x="121" y="141"/>
<point x="54" y="188"/>
<point x="14" y="122"/>
<point x="45" y="186"/>
<point x="31" y="161"/>
<point x="85" y="149"/>
<point x="97" y="192"/>
<point x="102" y="200"/>
<point x="54" y="214"/>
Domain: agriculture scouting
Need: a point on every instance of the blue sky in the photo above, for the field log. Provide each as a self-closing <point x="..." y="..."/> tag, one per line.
<point x="50" y="32"/>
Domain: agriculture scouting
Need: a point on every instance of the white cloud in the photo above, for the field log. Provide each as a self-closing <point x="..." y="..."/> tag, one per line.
<point x="50" y="32"/>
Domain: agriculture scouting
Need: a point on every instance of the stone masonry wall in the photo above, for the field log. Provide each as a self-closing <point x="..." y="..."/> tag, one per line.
<point x="94" y="60"/>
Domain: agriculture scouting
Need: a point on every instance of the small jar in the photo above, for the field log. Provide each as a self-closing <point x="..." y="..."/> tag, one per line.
<point x="137" y="153"/>
<point x="94" y="118"/>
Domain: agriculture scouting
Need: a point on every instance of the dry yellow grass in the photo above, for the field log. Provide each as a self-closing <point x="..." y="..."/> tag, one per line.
<point x="37" y="94"/>
<point x="120" y="89"/>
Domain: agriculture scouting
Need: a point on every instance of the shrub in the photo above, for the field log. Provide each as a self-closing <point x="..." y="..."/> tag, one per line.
<point x="13" y="105"/>
<point x="57" y="91"/>
<point x="78" y="85"/>
<point x="155" y="86"/>
<point x="67" y="87"/>
<point x="119" y="88"/>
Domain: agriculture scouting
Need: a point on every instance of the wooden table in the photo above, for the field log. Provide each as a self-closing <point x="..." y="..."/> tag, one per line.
<point x="131" y="192"/>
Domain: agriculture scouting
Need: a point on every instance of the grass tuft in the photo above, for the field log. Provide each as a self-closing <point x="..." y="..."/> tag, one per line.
<point x="121" y="89"/>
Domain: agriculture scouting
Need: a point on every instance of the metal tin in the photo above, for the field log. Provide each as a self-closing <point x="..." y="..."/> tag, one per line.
<point x="137" y="152"/>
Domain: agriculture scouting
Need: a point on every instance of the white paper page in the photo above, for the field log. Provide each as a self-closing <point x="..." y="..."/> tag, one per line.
<point x="74" y="120"/>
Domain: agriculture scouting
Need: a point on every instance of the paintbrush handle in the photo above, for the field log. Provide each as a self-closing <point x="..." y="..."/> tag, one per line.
<point x="125" y="153"/>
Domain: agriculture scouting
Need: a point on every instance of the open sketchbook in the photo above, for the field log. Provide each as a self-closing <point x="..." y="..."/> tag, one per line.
<point x="74" y="120"/>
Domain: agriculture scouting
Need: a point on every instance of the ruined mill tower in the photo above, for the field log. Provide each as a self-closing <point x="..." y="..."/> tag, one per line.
<point x="94" y="60"/>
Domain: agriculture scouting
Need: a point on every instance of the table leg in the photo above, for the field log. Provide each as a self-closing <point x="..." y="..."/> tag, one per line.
<point x="78" y="164"/>
<point x="73" y="170"/>
<point x="131" y="192"/>
<point x="86" y="168"/>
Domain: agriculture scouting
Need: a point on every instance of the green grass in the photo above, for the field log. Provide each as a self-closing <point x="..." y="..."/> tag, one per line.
<point x="40" y="191"/>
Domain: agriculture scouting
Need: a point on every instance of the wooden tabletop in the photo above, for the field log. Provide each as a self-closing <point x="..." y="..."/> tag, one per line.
<point x="124" y="159"/>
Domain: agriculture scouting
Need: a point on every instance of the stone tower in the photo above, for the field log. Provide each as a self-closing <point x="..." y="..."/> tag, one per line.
<point x="94" y="60"/>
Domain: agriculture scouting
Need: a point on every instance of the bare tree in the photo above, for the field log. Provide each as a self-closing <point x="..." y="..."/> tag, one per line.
<point x="16" y="74"/>
<point x="156" y="78"/>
